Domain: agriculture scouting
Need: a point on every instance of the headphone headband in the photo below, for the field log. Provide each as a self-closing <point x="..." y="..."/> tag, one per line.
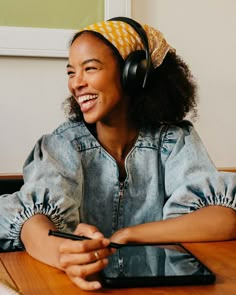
<point x="136" y="26"/>
<point x="141" y="32"/>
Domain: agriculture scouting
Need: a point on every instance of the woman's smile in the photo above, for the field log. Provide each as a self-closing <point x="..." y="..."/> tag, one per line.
<point x="87" y="102"/>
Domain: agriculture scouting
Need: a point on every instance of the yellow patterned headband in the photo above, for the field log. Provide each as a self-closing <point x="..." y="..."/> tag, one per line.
<point x="126" y="39"/>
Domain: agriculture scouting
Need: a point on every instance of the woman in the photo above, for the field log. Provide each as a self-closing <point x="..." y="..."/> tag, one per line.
<point x="125" y="167"/>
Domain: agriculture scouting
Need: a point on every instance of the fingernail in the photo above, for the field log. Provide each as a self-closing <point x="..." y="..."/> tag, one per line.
<point x="105" y="242"/>
<point x="98" y="235"/>
<point x="113" y="250"/>
<point x="96" y="285"/>
<point x="105" y="261"/>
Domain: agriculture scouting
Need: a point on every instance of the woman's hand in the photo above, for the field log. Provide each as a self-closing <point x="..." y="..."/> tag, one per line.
<point x="121" y="236"/>
<point x="82" y="259"/>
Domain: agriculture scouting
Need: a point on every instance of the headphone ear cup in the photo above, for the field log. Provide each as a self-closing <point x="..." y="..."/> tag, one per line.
<point x="134" y="71"/>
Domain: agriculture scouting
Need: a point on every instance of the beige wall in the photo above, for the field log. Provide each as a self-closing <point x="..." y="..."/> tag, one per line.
<point x="32" y="89"/>
<point x="203" y="32"/>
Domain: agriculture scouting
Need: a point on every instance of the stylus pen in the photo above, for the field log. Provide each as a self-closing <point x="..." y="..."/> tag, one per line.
<point x="78" y="238"/>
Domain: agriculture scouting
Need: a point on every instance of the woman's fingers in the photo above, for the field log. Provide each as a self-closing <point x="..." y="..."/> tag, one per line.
<point x="88" y="230"/>
<point x="66" y="260"/>
<point x="83" y="259"/>
<point x="86" y="285"/>
<point x="79" y="273"/>
<point x="86" y="270"/>
<point x="69" y="246"/>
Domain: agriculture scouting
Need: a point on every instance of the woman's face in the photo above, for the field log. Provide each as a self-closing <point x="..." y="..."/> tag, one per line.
<point x="94" y="80"/>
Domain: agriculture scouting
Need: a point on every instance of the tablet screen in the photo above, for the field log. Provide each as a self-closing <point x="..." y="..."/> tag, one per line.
<point x="155" y="265"/>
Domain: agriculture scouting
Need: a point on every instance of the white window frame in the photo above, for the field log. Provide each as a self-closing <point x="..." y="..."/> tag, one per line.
<point x="41" y="42"/>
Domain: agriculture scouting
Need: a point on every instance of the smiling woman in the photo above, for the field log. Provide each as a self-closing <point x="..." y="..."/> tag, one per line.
<point x="125" y="167"/>
<point x="94" y="80"/>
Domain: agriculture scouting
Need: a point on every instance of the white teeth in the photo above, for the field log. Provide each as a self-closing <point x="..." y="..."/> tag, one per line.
<point x="84" y="98"/>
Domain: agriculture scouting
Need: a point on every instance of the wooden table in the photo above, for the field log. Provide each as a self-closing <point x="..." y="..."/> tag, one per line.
<point x="35" y="278"/>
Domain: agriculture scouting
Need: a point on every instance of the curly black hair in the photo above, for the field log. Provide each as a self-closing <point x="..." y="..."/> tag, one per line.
<point x="169" y="96"/>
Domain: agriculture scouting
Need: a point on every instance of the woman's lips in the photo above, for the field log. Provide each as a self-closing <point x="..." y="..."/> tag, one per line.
<point x="87" y="102"/>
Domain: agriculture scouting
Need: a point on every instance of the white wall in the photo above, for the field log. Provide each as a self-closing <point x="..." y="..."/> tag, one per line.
<point x="203" y="32"/>
<point x="31" y="93"/>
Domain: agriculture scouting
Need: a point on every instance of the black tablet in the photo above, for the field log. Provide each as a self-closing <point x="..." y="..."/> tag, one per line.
<point x="155" y="265"/>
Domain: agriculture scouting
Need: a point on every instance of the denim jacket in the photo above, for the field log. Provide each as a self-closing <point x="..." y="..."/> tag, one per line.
<point x="71" y="178"/>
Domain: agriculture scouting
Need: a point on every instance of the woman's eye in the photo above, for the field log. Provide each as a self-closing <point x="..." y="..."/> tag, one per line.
<point x="70" y="73"/>
<point x="90" y="69"/>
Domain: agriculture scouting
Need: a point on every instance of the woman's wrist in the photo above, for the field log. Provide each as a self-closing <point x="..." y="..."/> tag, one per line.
<point x="122" y="236"/>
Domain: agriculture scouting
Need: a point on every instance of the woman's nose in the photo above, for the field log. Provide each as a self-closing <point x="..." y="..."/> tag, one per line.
<point x="79" y="81"/>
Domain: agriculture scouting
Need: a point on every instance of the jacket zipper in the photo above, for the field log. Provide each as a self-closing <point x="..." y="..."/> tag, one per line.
<point x="121" y="195"/>
<point x="120" y="258"/>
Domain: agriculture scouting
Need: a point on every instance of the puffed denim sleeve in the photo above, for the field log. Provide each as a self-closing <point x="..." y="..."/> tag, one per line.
<point x="53" y="184"/>
<point x="190" y="178"/>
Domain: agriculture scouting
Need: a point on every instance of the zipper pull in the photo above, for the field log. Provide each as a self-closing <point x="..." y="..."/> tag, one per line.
<point x="121" y="191"/>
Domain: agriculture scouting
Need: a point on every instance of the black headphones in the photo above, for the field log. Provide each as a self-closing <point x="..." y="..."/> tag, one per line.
<point x="138" y="63"/>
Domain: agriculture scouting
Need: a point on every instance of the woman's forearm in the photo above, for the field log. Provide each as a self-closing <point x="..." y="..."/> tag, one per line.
<point x="38" y="244"/>
<point x="212" y="223"/>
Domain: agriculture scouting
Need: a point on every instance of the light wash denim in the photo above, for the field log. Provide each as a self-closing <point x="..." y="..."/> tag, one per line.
<point x="70" y="178"/>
